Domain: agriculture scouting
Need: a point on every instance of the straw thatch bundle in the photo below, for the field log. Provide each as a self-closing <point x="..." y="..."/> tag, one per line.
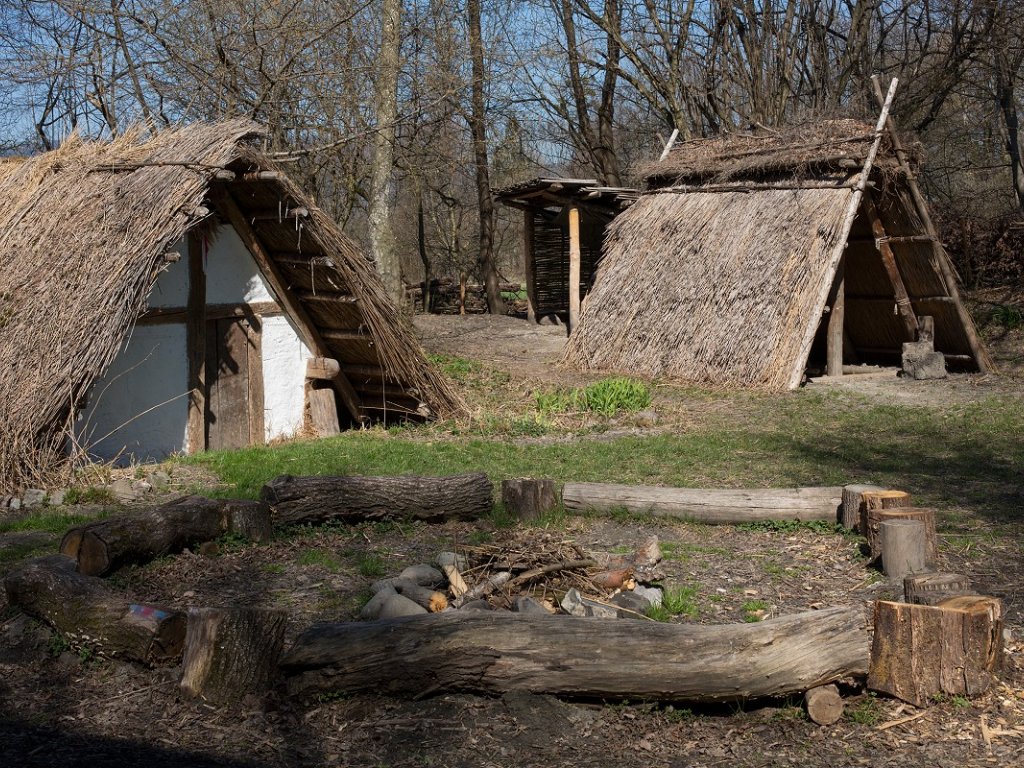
<point x="83" y="235"/>
<point x="795" y="151"/>
<point x="711" y="287"/>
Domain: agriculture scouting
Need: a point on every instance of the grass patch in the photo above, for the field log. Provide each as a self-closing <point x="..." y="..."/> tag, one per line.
<point x="868" y="711"/>
<point x="54" y="522"/>
<point x="371" y="565"/>
<point x="754" y="610"/>
<point x="606" y="397"/>
<point x="680" y="601"/>
<point x="319" y="558"/>
<point x="90" y="495"/>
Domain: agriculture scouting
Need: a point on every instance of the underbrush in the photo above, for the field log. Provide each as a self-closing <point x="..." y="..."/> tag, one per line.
<point x="606" y="397"/>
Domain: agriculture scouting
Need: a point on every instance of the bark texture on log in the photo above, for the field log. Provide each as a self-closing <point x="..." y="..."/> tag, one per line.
<point x="231" y="652"/>
<point x="528" y="498"/>
<point x="103" y="546"/>
<point x="824" y="704"/>
<point x="933" y="588"/>
<point x="853" y="505"/>
<point x="354" y="499"/>
<point x="719" y="505"/>
<point x="921" y="651"/>
<point x="497" y="652"/>
<point x="90" y="614"/>
<point x="249" y="519"/>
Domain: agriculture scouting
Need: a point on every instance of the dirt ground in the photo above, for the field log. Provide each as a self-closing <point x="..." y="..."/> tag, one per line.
<point x="60" y="706"/>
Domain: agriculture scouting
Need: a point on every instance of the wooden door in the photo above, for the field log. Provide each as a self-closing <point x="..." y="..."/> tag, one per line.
<point x="234" y="383"/>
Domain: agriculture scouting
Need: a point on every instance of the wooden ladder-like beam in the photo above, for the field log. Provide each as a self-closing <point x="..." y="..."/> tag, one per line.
<point x="903" y="305"/>
<point x="222" y="199"/>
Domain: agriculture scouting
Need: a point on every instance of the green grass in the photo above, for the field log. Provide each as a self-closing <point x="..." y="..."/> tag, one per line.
<point x="606" y="397"/>
<point x="753" y="610"/>
<point x="679" y="601"/>
<point x="48" y="520"/>
<point x="320" y="558"/>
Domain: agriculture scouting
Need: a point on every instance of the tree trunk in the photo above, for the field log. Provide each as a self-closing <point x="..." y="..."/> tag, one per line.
<point x="355" y="499"/>
<point x="103" y="546"/>
<point x="527" y="499"/>
<point x="231" y="652"/>
<point x="719" y="505"/>
<point x="919" y="651"/>
<point x="933" y="588"/>
<point x="853" y="504"/>
<point x="386" y="70"/>
<point x="90" y="614"/>
<point x="478" y="127"/>
<point x="498" y="652"/>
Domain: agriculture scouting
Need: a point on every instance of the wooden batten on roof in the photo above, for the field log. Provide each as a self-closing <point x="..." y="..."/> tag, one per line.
<point x="740" y="263"/>
<point x="86" y="230"/>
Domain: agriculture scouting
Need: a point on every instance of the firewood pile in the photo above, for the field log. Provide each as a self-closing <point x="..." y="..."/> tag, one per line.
<point x="536" y="572"/>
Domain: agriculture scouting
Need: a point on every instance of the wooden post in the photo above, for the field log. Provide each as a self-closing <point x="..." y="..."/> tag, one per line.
<point x="529" y="267"/>
<point x="195" y="344"/>
<point x="834" y="365"/>
<point x="574" y="267"/>
<point x="940" y="260"/>
<point x="903" y="547"/>
<point x="903" y="304"/>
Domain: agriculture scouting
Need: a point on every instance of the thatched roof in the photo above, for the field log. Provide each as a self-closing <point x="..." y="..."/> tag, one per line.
<point x="796" y="151"/>
<point x="83" y="235"/>
<point x="721" y="272"/>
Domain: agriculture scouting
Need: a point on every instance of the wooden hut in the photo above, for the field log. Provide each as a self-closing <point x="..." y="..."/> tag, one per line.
<point x="749" y="258"/>
<point x="181" y="293"/>
<point x="564" y="222"/>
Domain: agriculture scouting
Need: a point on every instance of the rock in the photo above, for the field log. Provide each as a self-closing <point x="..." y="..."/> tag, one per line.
<point x="372" y="609"/>
<point x="451" y="558"/>
<point x="397" y="605"/>
<point x="141" y="487"/>
<point x="5" y="501"/>
<point x="921" y="361"/>
<point x="653" y="595"/>
<point x="56" y="498"/>
<point x="33" y="497"/>
<point x="209" y="549"/>
<point x="424" y="575"/>
<point x="122" y="490"/>
<point x="649" y="553"/>
<point x="159" y="479"/>
<point x="477" y="605"/>
<point x="14" y="504"/>
<point x="380" y="584"/>
<point x="600" y="610"/>
<point x="572" y="603"/>
<point x="647" y="418"/>
<point x="526" y="604"/>
<point x="632" y="603"/>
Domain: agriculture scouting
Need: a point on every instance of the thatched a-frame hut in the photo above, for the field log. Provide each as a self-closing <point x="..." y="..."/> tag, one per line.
<point x="741" y="250"/>
<point x="165" y="295"/>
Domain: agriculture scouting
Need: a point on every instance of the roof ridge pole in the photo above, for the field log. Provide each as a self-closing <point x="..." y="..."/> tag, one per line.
<point x="669" y="144"/>
<point x="940" y="259"/>
<point x="844" y="235"/>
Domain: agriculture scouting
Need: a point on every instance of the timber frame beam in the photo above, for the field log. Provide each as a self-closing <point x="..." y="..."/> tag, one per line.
<point x="227" y="206"/>
<point x="195" y="344"/>
<point x="903" y="305"/>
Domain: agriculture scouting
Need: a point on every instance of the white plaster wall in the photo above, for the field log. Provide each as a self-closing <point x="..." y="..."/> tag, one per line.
<point x="143" y="396"/>
<point x="284" y="377"/>
<point x="171" y="289"/>
<point x="232" y="276"/>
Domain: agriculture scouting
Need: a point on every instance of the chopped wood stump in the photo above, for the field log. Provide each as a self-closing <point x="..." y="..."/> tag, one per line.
<point x="490" y="652"/>
<point x="853" y="505"/>
<point x="231" y="652"/>
<point x="919" y="651"/>
<point x="824" y="704"/>
<point x="90" y="614"/>
<point x="357" y="499"/>
<point x="933" y="588"/>
<point x="904" y="547"/>
<point x="528" y="498"/>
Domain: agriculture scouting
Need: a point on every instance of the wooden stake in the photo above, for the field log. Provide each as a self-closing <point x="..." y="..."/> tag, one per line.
<point x="574" y="267"/>
<point x="903" y="304"/>
<point x="834" y="365"/>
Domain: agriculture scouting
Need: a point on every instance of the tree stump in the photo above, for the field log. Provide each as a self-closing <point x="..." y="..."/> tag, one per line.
<point x="527" y="498"/>
<point x="358" y="499"/>
<point x="872" y="503"/>
<point x="903" y="547"/>
<point x="102" y="546"/>
<point x="231" y="652"/>
<point x="90" y="614"/>
<point x="853" y="505"/>
<point x="249" y="519"/>
<point x="920" y="651"/>
<point x="933" y="588"/>
<point x="926" y="516"/>
<point x="824" y="704"/>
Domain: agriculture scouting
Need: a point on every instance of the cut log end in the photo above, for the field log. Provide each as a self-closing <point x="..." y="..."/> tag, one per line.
<point x="824" y="704"/>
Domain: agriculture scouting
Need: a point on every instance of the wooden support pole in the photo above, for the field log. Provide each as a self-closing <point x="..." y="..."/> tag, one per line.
<point x="195" y="343"/>
<point x="903" y="305"/>
<point x="834" y="364"/>
<point x="529" y="267"/>
<point x="285" y="296"/>
<point x="940" y="259"/>
<point x="574" y="267"/>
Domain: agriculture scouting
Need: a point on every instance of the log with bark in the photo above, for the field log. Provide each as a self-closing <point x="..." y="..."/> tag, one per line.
<point x="920" y="651"/>
<point x="355" y="499"/>
<point x="498" y="652"/>
<point x="824" y="704"/>
<point x="720" y="505"/>
<point x="528" y="498"/>
<point x="933" y="588"/>
<point x="90" y="614"/>
<point x="231" y="652"/>
<point x="853" y="504"/>
<point x="102" y="546"/>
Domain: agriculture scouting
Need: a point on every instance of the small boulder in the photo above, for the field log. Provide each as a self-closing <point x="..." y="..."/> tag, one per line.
<point x="57" y="497"/>
<point x="424" y="575"/>
<point x="630" y="604"/>
<point x="372" y="609"/>
<point x="653" y="595"/>
<point x="572" y="603"/>
<point x="159" y="479"/>
<point x="477" y="605"/>
<point x="647" y="418"/>
<point x="526" y="604"/>
<point x="451" y="558"/>
<point x="33" y="497"/>
<point x="397" y="605"/>
<point x="122" y="490"/>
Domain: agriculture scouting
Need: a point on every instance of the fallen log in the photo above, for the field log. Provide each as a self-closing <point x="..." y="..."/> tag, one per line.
<point x="102" y="546"/>
<point x="719" y="505"/>
<point x="824" y="704"/>
<point x="499" y="652"/>
<point x="90" y="614"/>
<point x="527" y="498"/>
<point x="355" y="499"/>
